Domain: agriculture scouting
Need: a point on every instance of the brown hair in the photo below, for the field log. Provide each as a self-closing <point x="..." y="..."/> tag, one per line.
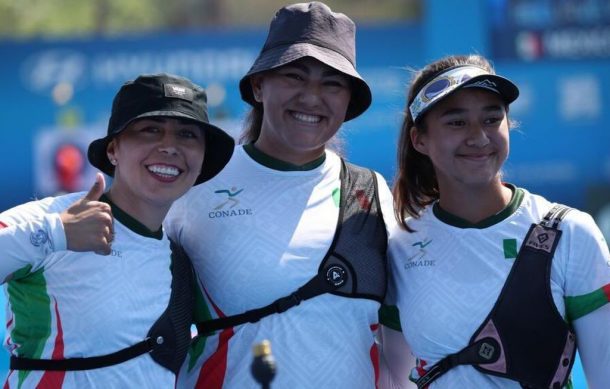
<point x="252" y="125"/>
<point x="415" y="184"/>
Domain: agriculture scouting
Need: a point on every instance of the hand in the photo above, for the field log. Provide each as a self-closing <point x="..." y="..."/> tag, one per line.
<point x="88" y="222"/>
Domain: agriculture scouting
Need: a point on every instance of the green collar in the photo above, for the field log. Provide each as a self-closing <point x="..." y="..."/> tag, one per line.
<point x="456" y="221"/>
<point x="130" y="222"/>
<point x="276" y="164"/>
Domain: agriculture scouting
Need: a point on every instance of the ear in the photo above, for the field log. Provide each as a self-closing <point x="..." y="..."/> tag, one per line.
<point x="256" y="82"/>
<point x="418" y="139"/>
<point x="111" y="151"/>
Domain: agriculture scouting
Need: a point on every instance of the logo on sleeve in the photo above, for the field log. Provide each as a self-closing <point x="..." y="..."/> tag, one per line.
<point x="39" y="238"/>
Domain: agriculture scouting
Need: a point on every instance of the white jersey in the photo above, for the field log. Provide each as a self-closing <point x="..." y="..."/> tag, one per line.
<point x="446" y="278"/>
<point x="64" y="304"/>
<point x="256" y="234"/>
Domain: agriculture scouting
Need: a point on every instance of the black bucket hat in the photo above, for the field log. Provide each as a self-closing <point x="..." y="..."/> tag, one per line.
<point x="164" y="95"/>
<point x="311" y="30"/>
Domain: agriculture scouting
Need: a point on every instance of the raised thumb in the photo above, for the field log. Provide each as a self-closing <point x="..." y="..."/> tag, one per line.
<point x="97" y="190"/>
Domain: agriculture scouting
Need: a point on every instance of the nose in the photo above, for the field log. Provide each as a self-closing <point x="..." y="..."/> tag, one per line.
<point x="168" y="144"/>
<point x="311" y="95"/>
<point x="477" y="137"/>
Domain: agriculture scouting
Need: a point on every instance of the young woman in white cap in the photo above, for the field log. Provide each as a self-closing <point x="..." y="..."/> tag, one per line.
<point x="288" y="212"/>
<point x="496" y="287"/>
<point x="79" y="319"/>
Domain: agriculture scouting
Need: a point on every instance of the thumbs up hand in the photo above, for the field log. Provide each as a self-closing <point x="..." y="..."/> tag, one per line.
<point x="88" y="222"/>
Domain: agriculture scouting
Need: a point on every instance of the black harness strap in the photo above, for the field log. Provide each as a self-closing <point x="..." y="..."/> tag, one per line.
<point x="312" y="288"/>
<point x="18" y="363"/>
<point x="527" y="282"/>
<point x="360" y="235"/>
<point x="482" y="351"/>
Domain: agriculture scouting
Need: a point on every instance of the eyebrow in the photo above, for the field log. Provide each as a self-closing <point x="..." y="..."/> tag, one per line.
<point x="328" y="72"/>
<point x="164" y="119"/>
<point x="457" y="111"/>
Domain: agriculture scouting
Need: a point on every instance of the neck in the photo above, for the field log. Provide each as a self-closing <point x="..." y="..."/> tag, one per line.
<point x="475" y="204"/>
<point x="296" y="159"/>
<point x="150" y="215"/>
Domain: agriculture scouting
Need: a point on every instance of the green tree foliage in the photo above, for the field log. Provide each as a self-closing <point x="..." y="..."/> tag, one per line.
<point x="70" y="18"/>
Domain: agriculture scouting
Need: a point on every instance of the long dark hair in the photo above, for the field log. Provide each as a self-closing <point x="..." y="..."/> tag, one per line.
<point x="252" y="125"/>
<point x="415" y="184"/>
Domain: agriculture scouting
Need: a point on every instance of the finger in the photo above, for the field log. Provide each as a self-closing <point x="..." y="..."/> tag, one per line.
<point x="107" y="247"/>
<point x="97" y="190"/>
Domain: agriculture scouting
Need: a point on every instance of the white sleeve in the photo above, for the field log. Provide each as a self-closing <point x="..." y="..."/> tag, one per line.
<point x="386" y="202"/>
<point x="172" y="224"/>
<point x="587" y="286"/>
<point x="593" y="340"/>
<point x="29" y="242"/>
<point x="395" y="360"/>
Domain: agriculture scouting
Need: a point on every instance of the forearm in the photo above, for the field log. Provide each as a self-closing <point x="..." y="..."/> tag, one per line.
<point x="395" y="360"/>
<point x="29" y="242"/>
<point x="593" y="340"/>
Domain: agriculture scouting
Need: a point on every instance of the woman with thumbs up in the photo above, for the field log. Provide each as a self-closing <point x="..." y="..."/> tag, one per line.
<point x="78" y="319"/>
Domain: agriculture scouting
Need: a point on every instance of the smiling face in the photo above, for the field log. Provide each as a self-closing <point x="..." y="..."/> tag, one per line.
<point x="304" y="105"/>
<point x="467" y="139"/>
<point x="156" y="161"/>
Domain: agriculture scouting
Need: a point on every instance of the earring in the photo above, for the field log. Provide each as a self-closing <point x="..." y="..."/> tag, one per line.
<point x="113" y="161"/>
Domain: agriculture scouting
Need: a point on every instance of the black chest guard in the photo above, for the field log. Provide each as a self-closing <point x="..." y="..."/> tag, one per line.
<point x="355" y="265"/>
<point x="524" y="338"/>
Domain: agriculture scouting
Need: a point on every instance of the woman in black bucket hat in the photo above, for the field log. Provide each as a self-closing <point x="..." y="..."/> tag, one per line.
<point x="79" y="319"/>
<point x="287" y="211"/>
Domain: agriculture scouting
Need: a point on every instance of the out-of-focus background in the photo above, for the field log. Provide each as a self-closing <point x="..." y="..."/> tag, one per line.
<point x="62" y="61"/>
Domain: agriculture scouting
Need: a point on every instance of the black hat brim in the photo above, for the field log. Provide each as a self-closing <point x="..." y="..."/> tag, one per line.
<point x="218" y="150"/>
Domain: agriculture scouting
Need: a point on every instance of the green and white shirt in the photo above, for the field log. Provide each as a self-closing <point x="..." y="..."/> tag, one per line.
<point x="64" y="304"/>
<point x="446" y="277"/>
<point x="256" y="232"/>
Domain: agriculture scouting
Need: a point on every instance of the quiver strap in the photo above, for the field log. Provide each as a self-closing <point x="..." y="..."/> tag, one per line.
<point x="355" y="264"/>
<point x="523" y="338"/>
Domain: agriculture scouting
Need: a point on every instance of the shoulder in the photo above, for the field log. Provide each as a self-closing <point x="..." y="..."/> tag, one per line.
<point x="582" y="229"/>
<point x="576" y="223"/>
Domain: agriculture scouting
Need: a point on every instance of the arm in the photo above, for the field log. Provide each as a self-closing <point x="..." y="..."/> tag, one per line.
<point x="29" y="242"/>
<point x="395" y="360"/>
<point x="587" y="290"/>
<point x="386" y="202"/>
<point x="29" y="233"/>
<point x="593" y="339"/>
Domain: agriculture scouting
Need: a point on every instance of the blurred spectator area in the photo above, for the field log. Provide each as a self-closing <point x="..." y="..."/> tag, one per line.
<point x="110" y="17"/>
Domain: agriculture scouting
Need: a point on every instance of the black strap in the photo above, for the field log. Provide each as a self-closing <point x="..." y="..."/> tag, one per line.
<point x="360" y="225"/>
<point x="18" y="363"/>
<point x="486" y="350"/>
<point x="314" y="287"/>
<point x="167" y="340"/>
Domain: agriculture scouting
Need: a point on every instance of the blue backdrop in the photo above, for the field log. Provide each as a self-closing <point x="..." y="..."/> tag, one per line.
<point x="59" y="92"/>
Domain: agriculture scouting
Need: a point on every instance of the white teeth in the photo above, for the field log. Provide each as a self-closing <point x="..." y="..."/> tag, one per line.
<point x="306" y="118"/>
<point x="164" y="170"/>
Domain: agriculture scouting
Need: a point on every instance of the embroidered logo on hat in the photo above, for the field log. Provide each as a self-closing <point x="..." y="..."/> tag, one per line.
<point x="486" y="84"/>
<point x="178" y="92"/>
